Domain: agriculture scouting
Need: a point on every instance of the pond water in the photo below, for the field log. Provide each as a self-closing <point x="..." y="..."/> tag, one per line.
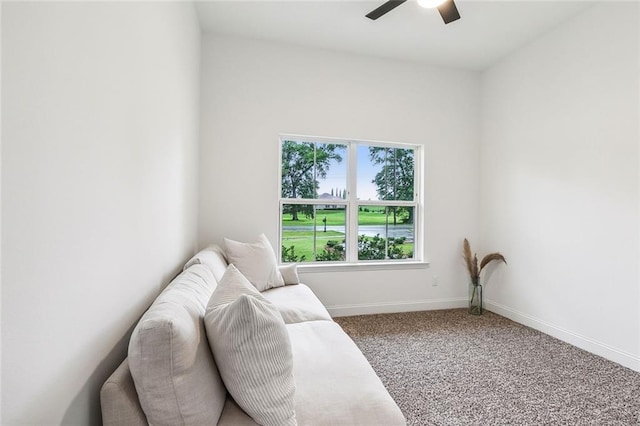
<point x="394" y="231"/>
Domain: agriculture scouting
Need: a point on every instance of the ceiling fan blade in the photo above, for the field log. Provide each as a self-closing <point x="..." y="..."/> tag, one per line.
<point x="449" y="11"/>
<point x="385" y="8"/>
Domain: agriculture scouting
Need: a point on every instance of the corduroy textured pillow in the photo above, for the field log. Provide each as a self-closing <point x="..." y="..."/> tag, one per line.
<point x="252" y="350"/>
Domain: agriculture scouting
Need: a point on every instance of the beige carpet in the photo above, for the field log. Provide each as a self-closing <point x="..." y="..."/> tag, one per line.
<point x="450" y="368"/>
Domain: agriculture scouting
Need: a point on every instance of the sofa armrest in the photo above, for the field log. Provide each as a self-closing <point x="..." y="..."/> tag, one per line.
<point x="119" y="400"/>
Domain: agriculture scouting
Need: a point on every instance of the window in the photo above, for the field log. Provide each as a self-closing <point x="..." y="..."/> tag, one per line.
<point x="347" y="201"/>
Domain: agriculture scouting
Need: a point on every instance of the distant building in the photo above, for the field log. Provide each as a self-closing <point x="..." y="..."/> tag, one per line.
<point x="329" y="197"/>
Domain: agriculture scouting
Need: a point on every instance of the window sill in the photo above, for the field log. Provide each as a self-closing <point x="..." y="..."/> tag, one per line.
<point x="371" y="266"/>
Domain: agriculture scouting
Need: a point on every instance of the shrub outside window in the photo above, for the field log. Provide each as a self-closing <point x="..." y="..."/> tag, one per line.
<point x="349" y="201"/>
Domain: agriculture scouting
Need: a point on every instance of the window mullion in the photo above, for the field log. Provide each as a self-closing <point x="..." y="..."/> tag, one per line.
<point x="418" y="214"/>
<point x="312" y="201"/>
<point x="352" y="208"/>
<point x="384" y="203"/>
<point x="315" y="233"/>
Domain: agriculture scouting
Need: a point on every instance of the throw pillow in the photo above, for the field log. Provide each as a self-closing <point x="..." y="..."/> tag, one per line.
<point x="251" y="346"/>
<point x="257" y="262"/>
<point x="289" y="274"/>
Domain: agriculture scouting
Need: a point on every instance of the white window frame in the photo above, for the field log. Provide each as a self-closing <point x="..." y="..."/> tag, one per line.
<point x="352" y="205"/>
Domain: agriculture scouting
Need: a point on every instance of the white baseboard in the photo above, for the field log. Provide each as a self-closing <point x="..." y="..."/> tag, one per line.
<point x="613" y="354"/>
<point x="386" y="308"/>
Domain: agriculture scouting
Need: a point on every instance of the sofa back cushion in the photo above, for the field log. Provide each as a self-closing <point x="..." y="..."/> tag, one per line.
<point x="213" y="257"/>
<point x="169" y="357"/>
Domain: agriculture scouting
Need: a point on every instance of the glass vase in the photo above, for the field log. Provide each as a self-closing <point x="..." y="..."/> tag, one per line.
<point x="475" y="299"/>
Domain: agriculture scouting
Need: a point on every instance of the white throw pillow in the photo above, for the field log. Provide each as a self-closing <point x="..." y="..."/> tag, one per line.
<point x="257" y="262"/>
<point x="252" y="350"/>
<point x="289" y="274"/>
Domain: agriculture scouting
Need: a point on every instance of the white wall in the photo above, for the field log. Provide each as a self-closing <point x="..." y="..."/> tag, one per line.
<point x="99" y="190"/>
<point x="559" y="178"/>
<point x="254" y="90"/>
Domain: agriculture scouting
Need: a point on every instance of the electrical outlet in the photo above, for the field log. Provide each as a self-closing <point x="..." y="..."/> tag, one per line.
<point x="435" y="282"/>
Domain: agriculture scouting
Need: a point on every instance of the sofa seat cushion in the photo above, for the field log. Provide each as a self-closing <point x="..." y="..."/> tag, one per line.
<point x="297" y="303"/>
<point x="335" y="383"/>
<point x="119" y="400"/>
<point x="172" y="367"/>
<point x="233" y="415"/>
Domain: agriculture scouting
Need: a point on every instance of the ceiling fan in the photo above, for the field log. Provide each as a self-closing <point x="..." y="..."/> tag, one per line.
<point x="447" y="9"/>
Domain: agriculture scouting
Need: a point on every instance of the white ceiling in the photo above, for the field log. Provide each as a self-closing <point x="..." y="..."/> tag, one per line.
<point x="487" y="31"/>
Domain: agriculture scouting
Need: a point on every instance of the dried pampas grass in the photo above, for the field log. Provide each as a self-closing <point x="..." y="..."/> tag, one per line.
<point x="472" y="261"/>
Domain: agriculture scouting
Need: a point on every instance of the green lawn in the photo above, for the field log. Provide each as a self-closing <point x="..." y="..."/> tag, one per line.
<point x="334" y="217"/>
<point x="303" y="241"/>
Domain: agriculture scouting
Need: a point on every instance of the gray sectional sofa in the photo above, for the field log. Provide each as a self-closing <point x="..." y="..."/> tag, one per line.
<point x="175" y="379"/>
